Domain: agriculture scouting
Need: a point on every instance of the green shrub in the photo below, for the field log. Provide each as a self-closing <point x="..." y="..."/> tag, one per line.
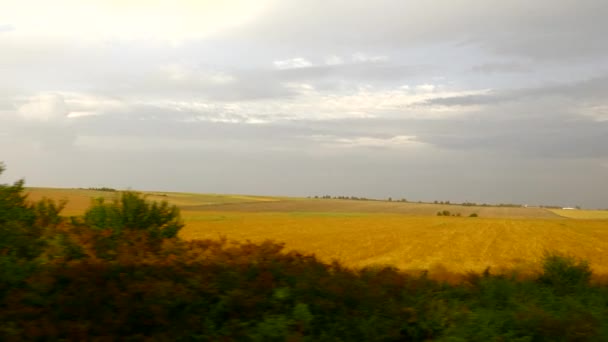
<point x="564" y="272"/>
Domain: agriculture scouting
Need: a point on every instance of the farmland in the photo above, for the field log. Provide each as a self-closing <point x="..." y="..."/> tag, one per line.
<point x="407" y="235"/>
<point x="582" y="214"/>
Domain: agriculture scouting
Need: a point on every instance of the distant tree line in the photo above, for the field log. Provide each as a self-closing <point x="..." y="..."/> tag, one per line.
<point x="355" y="198"/>
<point x="103" y="188"/>
<point x="465" y="204"/>
<point x="474" y="204"/>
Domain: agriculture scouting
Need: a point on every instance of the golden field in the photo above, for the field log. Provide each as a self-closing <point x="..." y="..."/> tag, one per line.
<point x="582" y="214"/>
<point x="407" y="235"/>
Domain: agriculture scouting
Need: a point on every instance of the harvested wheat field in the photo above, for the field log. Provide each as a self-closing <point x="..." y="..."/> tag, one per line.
<point x="458" y="244"/>
<point x="582" y="214"/>
<point x="353" y="206"/>
<point x="78" y="200"/>
<point x="362" y="233"/>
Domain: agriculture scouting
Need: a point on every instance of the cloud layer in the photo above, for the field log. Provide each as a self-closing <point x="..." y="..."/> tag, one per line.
<point x="453" y="100"/>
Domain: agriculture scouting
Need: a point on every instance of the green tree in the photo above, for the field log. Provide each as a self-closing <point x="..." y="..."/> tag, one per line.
<point x="133" y="212"/>
<point x="19" y="234"/>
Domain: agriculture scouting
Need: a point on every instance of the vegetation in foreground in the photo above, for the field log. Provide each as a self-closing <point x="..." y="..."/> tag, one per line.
<point x="120" y="271"/>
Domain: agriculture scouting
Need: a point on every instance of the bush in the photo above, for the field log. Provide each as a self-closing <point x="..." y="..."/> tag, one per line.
<point x="473" y="215"/>
<point x="563" y="272"/>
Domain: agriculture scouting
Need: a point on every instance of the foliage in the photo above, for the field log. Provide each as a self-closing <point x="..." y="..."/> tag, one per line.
<point x="19" y="234"/>
<point x="447" y="213"/>
<point x="565" y="272"/>
<point x="215" y="290"/>
<point x="133" y="212"/>
<point x="104" y="188"/>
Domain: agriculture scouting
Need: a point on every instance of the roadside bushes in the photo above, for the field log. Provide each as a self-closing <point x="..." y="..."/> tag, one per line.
<point x="216" y="290"/>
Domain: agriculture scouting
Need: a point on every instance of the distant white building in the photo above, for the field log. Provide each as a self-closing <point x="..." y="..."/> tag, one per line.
<point x="569" y="208"/>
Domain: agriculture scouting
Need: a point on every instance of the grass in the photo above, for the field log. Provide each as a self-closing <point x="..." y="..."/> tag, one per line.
<point x="363" y="233"/>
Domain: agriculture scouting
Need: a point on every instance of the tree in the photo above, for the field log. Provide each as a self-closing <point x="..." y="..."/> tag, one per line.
<point x="132" y="212"/>
<point x="19" y="234"/>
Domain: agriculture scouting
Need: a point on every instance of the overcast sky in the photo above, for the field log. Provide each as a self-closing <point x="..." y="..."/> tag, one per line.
<point x="460" y="100"/>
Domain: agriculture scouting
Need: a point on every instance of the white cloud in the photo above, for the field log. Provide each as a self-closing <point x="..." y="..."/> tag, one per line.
<point x="172" y="20"/>
<point x="398" y="141"/>
<point x="44" y="108"/>
<point x="181" y="73"/>
<point x="363" y="58"/>
<point x="334" y="60"/>
<point x="425" y="87"/>
<point x="316" y="105"/>
<point x="59" y="107"/>
<point x="137" y="143"/>
<point x="293" y="63"/>
<point x="596" y="112"/>
<point x="80" y="104"/>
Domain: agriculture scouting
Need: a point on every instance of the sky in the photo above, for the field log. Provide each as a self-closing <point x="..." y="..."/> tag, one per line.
<point x="459" y="100"/>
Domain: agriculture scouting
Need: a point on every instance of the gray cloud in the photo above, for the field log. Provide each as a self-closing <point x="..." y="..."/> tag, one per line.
<point x="539" y="30"/>
<point x="591" y="89"/>
<point x="501" y="67"/>
<point x="453" y="100"/>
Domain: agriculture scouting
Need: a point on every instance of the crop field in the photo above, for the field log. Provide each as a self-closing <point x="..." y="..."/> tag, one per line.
<point x="353" y="206"/>
<point x="457" y="244"/>
<point x="582" y="214"/>
<point x="78" y="200"/>
<point x="406" y="235"/>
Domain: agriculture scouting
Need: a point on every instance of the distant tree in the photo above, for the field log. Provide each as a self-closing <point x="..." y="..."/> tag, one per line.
<point x="390" y="199"/>
<point x="103" y="189"/>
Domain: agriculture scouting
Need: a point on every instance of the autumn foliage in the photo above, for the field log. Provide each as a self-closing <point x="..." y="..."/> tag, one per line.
<point x="120" y="272"/>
